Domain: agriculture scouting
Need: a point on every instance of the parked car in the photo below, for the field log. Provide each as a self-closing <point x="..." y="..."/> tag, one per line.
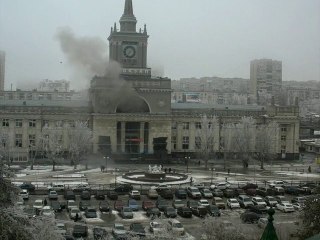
<point x="206" y="193"/>
<point x="213" y="210"/>
<point x="47" y="211"/>
<point x="184" y="212"/>
<point x="152" y="194"/>
<point x="265" y="191"/>
<point x="279" y="190"/>
<point x="24" y="194"/>
<point x="137" y="229"/>
<point x="166" y="194"/>
<point x="176" y="227"/>
<point x="153" y="212"/>
<point x="123" y="189"/>
<point x="112" y="195"/>
<point x="170" y="212"/>
<point x="217" y="193"/>
<point x="91" y="213"/>
<point x="281" y="199"/>
<point x="285" y="207"/>
<point x="80" y="231"/>
<point x="193" y="192"/>
<point x="192" y="204"/>
<point x="99" y="195"/>
<point x="270" y="201"/>
<point x="250" y="186"/>
<point x="126" y="212"/>
<point x="73" y="212"/>
<point x="69" y="195"/>
<point x="27" y="186"/>
<point x="135" y="194"/>
<point x="84" y="204"/>
<point x="71" y="204"/>
<point x="305" y="190"/>
<point x="56" y="187"/>
<point x="162" y="204"/>
<point x="233" y="203"/>
<point x="181" y="193"/>
<point x="38" y="204"/>
<point x="262" y="222"/>
<point x="53" y="195"/>
<point x="249" y="217"/>
<point x="258" y="209"/>
<point x="251" y="191"/>
<point x="219" y="202"/>
<point x="297" y="206"/>
<point x="104" y="206"/>
<point x="198" y="185"/>
<point x="118" y="231"/>
<point x="276" y="183"/>
<point x="258" y="201"/>
<point x="132" y="203"/>
<point x="220" y="185"/>
<point x="239" y="191"/>
<point x="147" y="204"/>
<point x="177" y="203"/>
<point x="300" y="200"/>
<point x="56" y="206"/>
<point x="99" y="233"/>
<point x="118" y="204"/>
<point x="156" y="227"/>
<point x="61" y="228"/>
<point x="245" y="201"/>
<point x="229" y="193"/>
<point x="203" y="202"/>
<point x="85" y="195"/>
<point x="200" y="211"/>
<point x="292" y="190"/>
<point x="82" y="187"/>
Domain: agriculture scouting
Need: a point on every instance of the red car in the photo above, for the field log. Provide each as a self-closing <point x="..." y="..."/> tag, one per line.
<point x="118" y="204"/>
<point x="146" y="204"/>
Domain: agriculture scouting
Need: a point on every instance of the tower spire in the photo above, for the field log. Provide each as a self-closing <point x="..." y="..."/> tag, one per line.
<point x="128" y="21"/>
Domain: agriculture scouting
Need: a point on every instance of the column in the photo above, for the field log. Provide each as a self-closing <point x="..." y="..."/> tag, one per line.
<point x="141" y="137"/>
<point x="123" y="137"/>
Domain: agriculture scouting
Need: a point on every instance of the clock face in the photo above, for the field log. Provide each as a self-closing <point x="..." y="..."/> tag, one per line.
<point x="129" y="51"/>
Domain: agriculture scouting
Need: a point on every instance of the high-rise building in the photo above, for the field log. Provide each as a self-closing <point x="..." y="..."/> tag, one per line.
<point x="265" y="77"/>
<point x="2" y="69"/>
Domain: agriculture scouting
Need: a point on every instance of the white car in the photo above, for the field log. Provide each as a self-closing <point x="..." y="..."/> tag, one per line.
<point x="285" y="207"/>
<point x="161" y="186"/>
<point x="38" y="204"/>
<point x="297" y="206"/>
<point x="203" y="202"/>
<point x="71" y="204"/>
<point x="56" y="187"/>
<point x="233" y="203"/>
<point x="47" y="211"/>
<point x="61" y="228"/>
<point x="119" y="231"/>
<point x="156" y="227"/>
<point x="135" y="194"/>
<point x="53" y="195"/>
<point x="220" y="185"/>
<point x="258" y="201"/>
<point x="24" y="194"/>
<point x="73" y="212"/>
<point x="276" y="183"/>
<point x="176" y="227"/>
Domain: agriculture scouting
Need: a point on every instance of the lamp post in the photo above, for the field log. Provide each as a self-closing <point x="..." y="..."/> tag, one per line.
<point x="187" y="162"/>
<point x="212" y="169"/>
<point x="107" y="159"/>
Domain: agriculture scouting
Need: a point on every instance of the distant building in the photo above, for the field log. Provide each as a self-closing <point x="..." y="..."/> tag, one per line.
<point x="52" y="86"/>
<point x="265" y="77"/>
<point x="2" y="69"/>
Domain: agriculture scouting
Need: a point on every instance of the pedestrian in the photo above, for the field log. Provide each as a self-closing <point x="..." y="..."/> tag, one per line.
<point x="76" y="217"/>
<point x="309" y="169"/>
<point x="45" y="202"/>
<point x="169" y="170"/>
<point x="199" y="162"/>
<point x="228" y="171"/>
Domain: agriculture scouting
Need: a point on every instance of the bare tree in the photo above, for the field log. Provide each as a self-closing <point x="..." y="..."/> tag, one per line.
<point x="266" y="142"/>
<point x="5" y="147"/>
<point x="227" y="140"/>
<point x="80" y="139"/>
<point x="205" y="137"/>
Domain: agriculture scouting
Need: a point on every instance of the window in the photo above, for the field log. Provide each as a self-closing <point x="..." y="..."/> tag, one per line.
<point x="283" y="129"/>
<point x="198" y="125"/>
<point x="283" y="149"/>
<point x="283" y="138"/>
<point x="198" y="143"/>
<point x="59" y="123"/>
<point x="5" y="122"/>
<point x="18" y="123"/>
<point x="185" y="126"/>
<point x="19" y="140"/>
<point x="174" y="142"/>
<point x="174" y="125"/>
<point x="185" y="142"/>
<point x="32" y="123"/>
<point x="32" y="140"/>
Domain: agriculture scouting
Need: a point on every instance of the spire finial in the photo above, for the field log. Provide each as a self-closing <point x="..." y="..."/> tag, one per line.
<point x="145" y="29"/>
<point x="115" y="27"/>
<point x="128" y="9"/>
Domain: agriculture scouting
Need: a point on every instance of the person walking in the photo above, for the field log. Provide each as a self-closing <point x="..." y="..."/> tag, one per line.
<point x="45" y="202"/>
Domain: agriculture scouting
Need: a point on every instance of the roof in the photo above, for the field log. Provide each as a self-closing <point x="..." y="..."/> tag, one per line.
<point x="178" y="106"/>
<point x="45" y="103"/>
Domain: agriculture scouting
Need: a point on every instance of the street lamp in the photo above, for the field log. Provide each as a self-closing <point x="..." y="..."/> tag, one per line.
<point x="187" y="162"/>
<point x="107" y="159"/>
<point x="212" y="169"/>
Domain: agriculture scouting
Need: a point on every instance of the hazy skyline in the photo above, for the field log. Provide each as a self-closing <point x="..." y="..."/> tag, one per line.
<point x="187" y="38"/>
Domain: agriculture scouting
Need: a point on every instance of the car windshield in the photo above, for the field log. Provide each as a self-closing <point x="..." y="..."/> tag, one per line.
<point x="206" y="191"/>
<point x="72" y="204"/>
<point x="259" y="200"/>
<point x="194" y="190"/>
<point x="156" y="225"/>
<point x="119" y="227"/>
<point x="247" y="200"/>
<point x="178" y="202"/>
<point x="127" y="209"/>
<point x="233" y="201"/>
<point x="213" y="207"/>
<point x="47" y="210"/>
<point x="38" y="203"/>
<point x="177" y="225"/>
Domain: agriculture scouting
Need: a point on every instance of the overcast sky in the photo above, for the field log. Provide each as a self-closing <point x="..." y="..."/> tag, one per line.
<point x="188" y="38"/>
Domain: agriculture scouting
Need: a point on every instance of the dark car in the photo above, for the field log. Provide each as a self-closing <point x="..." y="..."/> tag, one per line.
<point x="181" y="193"/>
<point x="217" y="193"/>
<point x="68" y="237"/>
<point x="239" y="191"/>
<point x="251" y="191"/>
<point x="83" y="205"/>
<point x="292" y="190"/>
<point x="27" y="186"/>
<point x="213" y="210"/>
<point x="85" y="195"/>
<point x="250" y="186"/>
<point x="264" y="191"/>
<point x="249" y="217"/>
<point x="104" y="206"/>
<point x="200" y="211"/>
<point x="192" y="204"/>
<point x="137" y="229"/>
<point x="258" y="209"/>
<point x="123" y="189"/>
<point x="146" y="204"/>
<point x="170" y="212"/>
<point x="100" y="195"/>
<point x="229" y="193"/>
<point x="118" y="204"/>
<point x="153" y="212"/>
<point x="162" y="204"/>
<point x="166" y="194"/>
<point x="185" y="212"/>
<point x="99" y="233"/>
<point x="56" y="206"/>
<point x="80" y="231"/>
<point x="69" y="195"/>
<point x="112" y="195"/>
<point x="305" y="190"/>
<point x="90" y="213"/>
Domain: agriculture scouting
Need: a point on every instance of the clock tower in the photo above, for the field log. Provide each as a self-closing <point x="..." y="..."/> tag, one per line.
<point x="127" y="46"/>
